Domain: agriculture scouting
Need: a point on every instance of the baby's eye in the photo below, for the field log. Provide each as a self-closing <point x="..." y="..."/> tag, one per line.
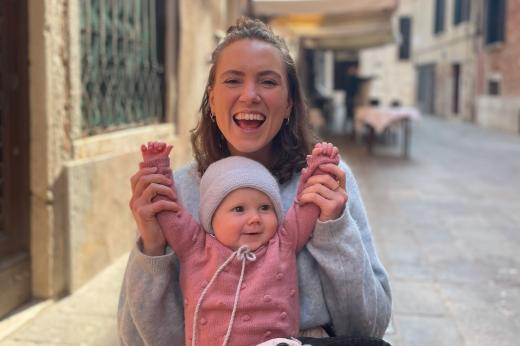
<point x="238" y="209"/>
<point x="266" y="207"/>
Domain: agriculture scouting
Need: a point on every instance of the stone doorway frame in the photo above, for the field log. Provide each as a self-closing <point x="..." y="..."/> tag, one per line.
<point x="15" y="261"/>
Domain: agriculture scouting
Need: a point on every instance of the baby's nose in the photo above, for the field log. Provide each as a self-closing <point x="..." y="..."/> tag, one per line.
<point x="254" y="218"/>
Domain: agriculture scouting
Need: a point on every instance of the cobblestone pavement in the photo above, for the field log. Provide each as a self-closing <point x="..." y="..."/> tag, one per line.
<point x="447" y="226"/>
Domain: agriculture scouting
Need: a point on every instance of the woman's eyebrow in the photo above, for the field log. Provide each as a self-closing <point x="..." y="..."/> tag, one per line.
<point x="240" y="73"/>
<point x="231" y="73"/>
<point x="270" y="73"/>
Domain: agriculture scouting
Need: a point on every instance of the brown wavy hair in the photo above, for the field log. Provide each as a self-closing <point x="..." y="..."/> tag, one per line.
<point x="293" y="141"/>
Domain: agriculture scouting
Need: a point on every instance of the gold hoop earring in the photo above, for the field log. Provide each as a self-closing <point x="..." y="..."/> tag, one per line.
<point x="212" y="117"/>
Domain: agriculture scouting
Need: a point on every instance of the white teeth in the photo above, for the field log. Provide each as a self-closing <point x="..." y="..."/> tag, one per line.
<point x="249" y="116"/>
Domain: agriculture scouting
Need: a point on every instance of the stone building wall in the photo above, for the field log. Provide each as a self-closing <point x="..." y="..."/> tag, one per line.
<point x="454" y="45"/>
<point x="80" y="220"/>
<point x="51" y="143"/>
<point x="392" y="79"/>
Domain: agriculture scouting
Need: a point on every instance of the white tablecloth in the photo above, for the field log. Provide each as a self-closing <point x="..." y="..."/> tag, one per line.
<point x="379" y="118"/>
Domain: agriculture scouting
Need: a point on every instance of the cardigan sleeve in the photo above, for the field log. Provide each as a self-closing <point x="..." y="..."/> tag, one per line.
<point x="150" y="310"/>
<point x="179" y="228"/>
<point x="355" y="283"/>
<point x="300" y="220"/>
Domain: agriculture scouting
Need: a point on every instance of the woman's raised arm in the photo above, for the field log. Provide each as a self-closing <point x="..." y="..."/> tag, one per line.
<point x="355" y="283"/>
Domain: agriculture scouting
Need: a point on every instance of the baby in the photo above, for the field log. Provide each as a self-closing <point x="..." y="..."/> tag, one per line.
<point x="238" y="266"/>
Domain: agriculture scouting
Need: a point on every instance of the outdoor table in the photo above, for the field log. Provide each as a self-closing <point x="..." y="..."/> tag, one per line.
<point x="378" y="119"/>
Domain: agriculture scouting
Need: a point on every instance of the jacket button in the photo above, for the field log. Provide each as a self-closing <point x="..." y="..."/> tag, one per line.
<point x="267" y="298"/>
<point x="283" y="315"/>
<point x="279" y="276"/>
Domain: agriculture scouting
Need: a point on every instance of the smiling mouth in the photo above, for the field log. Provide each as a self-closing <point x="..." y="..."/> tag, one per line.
<point x="249" y="120"/>
<point x="251" y="233"/>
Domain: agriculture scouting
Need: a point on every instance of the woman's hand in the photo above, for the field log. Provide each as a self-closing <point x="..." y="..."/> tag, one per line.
<point x="327" y="192"/>
<point x="146" y="185"/>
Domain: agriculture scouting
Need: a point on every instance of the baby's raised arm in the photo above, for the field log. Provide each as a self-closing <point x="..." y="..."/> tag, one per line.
<point x="301" y="218"/>
<point x="156" y="154"/>
<point x="177" y="226"/>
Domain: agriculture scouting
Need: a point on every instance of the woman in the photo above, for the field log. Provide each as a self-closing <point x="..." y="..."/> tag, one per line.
<point x="253" y="107"/>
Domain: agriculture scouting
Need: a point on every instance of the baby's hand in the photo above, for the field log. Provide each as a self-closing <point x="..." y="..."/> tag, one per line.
<point x="155" y="150"/>
<point x="322" y="153"/>
<point x="326" y="149"/>
<point x="324" y="183"/>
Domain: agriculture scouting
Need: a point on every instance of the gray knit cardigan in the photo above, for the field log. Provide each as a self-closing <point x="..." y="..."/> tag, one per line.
<point x="341" y="278"/>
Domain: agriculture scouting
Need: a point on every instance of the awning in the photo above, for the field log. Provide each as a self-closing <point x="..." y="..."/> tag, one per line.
<point x="334" y="24"/>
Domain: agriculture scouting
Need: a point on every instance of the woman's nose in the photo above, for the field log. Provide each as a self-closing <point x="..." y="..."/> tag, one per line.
<point x="249" y="93"/>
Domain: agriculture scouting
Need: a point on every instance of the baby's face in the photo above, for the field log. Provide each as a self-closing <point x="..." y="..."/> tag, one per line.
<point x="245" y="217"/>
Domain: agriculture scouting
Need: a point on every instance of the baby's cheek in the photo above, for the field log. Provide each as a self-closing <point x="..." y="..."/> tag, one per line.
<point x="273" y="228"/>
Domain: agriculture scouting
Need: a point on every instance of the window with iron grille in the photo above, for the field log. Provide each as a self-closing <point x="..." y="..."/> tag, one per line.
<point x="122" y="59"/>
<point x="461" y="11"/>
<point x="495" y="21"/>
<point x="439" y="16"/>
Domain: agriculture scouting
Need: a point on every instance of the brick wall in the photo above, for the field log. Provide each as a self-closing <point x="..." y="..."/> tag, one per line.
<point x="502" y="61"/>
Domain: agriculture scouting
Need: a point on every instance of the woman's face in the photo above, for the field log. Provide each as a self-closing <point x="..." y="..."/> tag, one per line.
<point x="250" y="97"/>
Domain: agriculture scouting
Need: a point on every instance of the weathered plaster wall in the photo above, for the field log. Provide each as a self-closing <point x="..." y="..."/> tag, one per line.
<point x="50" y="105"/>
<point x="197" y="42"/>
<point x="80" y="220"/>
<point x="501" y="113"/>
<point x="393" y="79"/>
<point x="99" y="223"/>
<point x="454" y="45"/>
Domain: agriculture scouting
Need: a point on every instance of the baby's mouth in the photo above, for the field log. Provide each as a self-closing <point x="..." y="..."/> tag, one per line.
<point x="249" y="120"/>
<point x="252" y="233"/>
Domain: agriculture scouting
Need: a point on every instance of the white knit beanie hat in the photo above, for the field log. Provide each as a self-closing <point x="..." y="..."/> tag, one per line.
<point x="234" y="172"/>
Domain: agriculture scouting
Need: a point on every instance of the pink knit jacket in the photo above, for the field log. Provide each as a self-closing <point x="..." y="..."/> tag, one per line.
<point x="268" y="305"/>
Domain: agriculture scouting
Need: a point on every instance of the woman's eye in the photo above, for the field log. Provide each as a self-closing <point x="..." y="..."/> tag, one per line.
<point x="231" y="81"/>
<point x="238" y="209"/>
<point x="269" y="82"/>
